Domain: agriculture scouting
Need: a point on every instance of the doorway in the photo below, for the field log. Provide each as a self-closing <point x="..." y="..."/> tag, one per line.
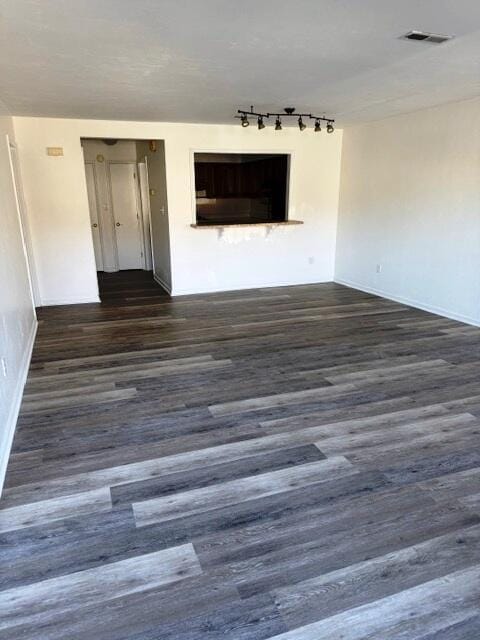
<point x="119" y="219"/>
<point x="127" y="198"/>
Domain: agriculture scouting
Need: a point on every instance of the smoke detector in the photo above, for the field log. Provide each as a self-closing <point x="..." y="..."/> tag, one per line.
<point x="425" y="36"/>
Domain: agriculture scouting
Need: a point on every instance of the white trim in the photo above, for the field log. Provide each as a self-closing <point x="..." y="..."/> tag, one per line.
<point x="140" y="219"/>
<point x="439" y="311"/>
<point x="144" y="187"/>
<point x="162" y="283"/>
<point x="15" y="404"/>
<point x="51" y="302"/>
<point x="264" y="285"/>
<point x="25" y="232"/>
<point x="149" y="208"/>
<point x="140" y="216"/>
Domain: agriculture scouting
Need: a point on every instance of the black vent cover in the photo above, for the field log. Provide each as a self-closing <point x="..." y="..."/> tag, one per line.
<point x="424" y="36"/>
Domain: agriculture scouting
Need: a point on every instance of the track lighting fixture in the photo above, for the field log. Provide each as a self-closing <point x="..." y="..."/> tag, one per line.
<point x="288" y="112"/>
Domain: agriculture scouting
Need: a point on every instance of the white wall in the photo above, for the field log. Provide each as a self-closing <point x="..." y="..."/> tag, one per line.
<point x="17" y="315"/>
<point x="201" y="259"/>
<point x="410" y="202"/>
<point x="57" y="205"/>
<point x="122" y="151"/>
<point x="253" y="257"/>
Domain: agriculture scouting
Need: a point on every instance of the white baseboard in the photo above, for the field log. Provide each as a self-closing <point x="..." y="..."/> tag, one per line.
<point x="264" y="285"/>
<point x="53" y="302"/>
<point x="162" y="283"/>
<point x="15" y="404"/>
<point x="439" y="311"/>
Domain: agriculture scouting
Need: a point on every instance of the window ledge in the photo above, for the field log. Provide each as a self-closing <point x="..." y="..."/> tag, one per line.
<point x="282" y="223"/>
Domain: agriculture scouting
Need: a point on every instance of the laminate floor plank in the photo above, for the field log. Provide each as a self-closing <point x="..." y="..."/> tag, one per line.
<point x="33" y="603"/>
<point x="388" y="372"/>
<point x="279" y="463"/>
<point x="212" y="475"/>
<point x="295" y="397"/>
<point x="98" y="371"/>
<point x="435" y="604"/>
<point x="208" y="456"/>
<point x="73" y="400"/>
<point x="426" y="465"/>
<point x="60" y="393"/>
<point x="303" y="557"/>
<point x="37" y="513"/>
<point x="468" y="629"/>
<point x="139" y="613"/>
<point x="373" y="579"/>
<point x="256" y="619"/>
<point x="241" y="490"/>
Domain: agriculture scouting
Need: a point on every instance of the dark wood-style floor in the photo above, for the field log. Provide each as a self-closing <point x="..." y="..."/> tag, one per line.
<point x="297" y="463"/>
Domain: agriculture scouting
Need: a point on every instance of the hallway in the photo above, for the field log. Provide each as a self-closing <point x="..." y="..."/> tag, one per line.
<point x="244" y="465"/>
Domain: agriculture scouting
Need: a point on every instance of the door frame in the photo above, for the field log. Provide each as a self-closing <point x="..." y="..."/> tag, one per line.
<point x="22" y="215"/>
<point x="99" y="220"/>
<point x="141" y="232"/>
<point x="146" y="211"/>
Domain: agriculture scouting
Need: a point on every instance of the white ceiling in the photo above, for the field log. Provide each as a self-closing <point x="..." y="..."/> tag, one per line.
<point x="199" y="60"/>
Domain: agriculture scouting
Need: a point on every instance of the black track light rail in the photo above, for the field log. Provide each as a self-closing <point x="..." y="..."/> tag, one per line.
<point x="289" y="112"/>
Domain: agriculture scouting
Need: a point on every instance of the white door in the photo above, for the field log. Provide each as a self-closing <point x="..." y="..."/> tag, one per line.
<point x="93" y="207"/>
<point x="128" y="231"/>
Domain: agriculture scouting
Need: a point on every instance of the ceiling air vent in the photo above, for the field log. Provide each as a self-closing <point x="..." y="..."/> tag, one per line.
<point x="424" y="36"/>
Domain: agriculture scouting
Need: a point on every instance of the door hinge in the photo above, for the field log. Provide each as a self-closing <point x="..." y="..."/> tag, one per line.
<point x="134" y="175"/>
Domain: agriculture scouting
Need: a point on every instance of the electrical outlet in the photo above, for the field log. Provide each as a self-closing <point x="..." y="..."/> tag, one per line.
<point x="3" y="366"/>
<point x="311" y="260"/>
<point x="379" y="268"/>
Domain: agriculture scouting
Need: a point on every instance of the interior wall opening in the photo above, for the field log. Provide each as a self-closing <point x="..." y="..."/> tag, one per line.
<point x="127" y="199"/>
<point x="241" y="188"/>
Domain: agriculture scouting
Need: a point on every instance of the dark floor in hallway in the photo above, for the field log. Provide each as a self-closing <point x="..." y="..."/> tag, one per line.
<point x="297" y="463"/>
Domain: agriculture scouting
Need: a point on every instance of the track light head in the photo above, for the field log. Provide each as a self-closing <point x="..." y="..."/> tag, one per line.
<point x="318" y="128"/>
<point x="244" y="121"/>
<point x="260" y="123"/>
<point x="301" y="124"/>
<point x="330" y="128"/>
<point x="278" y="124"/>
